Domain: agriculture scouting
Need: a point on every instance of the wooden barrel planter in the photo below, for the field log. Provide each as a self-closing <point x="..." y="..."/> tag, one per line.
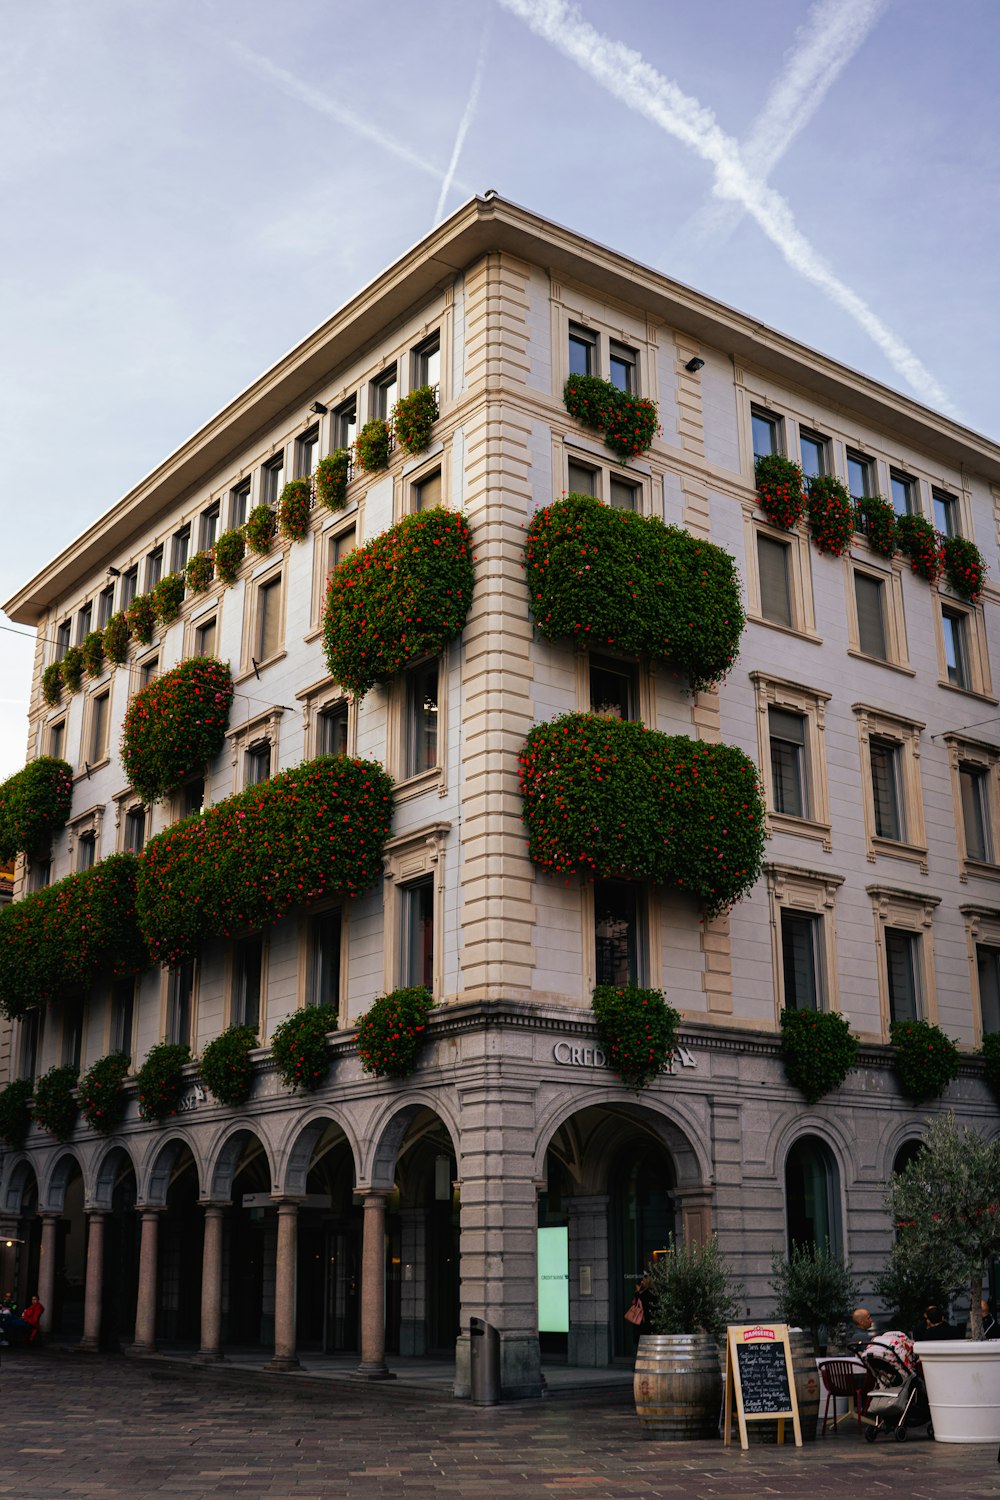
<point x="677" y="1385"/>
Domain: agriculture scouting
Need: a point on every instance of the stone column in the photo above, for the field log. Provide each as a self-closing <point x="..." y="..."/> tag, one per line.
<point x="284" y="1287"/>
<point x="373" y="1365"/>
<point x="93" y="1292"/>
<point x="145" y="1308"/>
<point x="46" y="1269"/>
<point x="211" y="1284"/>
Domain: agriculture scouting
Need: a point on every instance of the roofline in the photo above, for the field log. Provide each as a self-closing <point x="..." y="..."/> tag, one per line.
<point x="479" y="226"/>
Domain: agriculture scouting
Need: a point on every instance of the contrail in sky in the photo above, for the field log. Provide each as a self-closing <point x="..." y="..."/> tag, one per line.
<point x="466" y="120"/>
<point x="630" y="78"/>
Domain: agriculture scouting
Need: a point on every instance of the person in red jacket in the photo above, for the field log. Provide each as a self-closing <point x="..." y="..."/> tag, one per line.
<point x="32" y="1316"/>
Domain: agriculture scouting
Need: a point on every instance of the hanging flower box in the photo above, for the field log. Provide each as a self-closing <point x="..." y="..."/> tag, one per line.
<point x="34" y="805"/>
<point x="92" y="650"/>
<point x="101" y="1096"/>
<point x="175" y="725"/>
<point x="392" y="1030"/>
<point x="261" y="530"/>
<point x="227" y="554"/>
<point x="298" y="1047"/>
<point x="226" y="1067"/>
<point x="780" y="494"/>
<point x="629" y="423"/>
<point x="141" y="617"/>
<point x="638" y="1031"/>
<point x="926" y="1059"/>
<point x="55" y="1107"/>
<point x="168" y="596"/>
<point x="294" y="508"/>
<point x="920" y="543"/>
<point x="964" y="567"/>
<point x="875" y="517"/>
<point x="72" y="666"/>
<point x="372" y="446"/>
<point x="333" y="474"/>
<point x="830" y="510"/>
<point x="52" y="684"/>
<point x="414" y="417"/>
<point x="818" y="1049"/>
<point x="160" y="1081"/>
<point x="116" y="639"/>
<point x="199" y="572"/>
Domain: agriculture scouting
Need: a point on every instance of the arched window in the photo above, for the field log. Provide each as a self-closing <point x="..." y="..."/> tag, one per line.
<point x="812" y="1195"/>
<point x="908" y="1151"/>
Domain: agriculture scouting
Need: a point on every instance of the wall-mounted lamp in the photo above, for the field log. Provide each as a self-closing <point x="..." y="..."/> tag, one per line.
<point x="114" y="572"/>
<point x="694" y="365"/>
<point x="318" y="409"/>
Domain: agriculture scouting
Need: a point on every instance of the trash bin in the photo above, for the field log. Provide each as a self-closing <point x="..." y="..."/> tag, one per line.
<point x="484" y="1345"/>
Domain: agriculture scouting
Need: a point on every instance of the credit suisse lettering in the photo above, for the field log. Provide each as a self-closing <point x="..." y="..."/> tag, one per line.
<point x="570" y="1056"/>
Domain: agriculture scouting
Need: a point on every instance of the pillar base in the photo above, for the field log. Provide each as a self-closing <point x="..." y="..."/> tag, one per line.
<point x="88" y="1346"/>
<point x="140" y="1349"/>
<point x="283" y="1362"/>
<point x="210" y="1357"/>
<point x="373" y="1372"/>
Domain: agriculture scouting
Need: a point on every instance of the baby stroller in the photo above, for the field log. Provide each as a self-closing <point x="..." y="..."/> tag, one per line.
<point x="899" y="1399"/>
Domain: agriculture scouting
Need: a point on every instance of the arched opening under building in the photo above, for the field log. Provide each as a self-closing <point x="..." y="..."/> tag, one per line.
<point x="19" y="1261"/>
<point x="175" y="1179"/>
<point x="250" y="1243"/>
<point x="812" y="1195"/>
<point x="908" y="1151"/>
<point x="116" y="1194"/>
<point x="66" y="1199"/>
<point x="328" y="1284"/>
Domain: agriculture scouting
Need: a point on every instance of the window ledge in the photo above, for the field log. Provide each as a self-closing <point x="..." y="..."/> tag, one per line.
<point x="800" y="635"/>
<point x="312" y="635"/>
<point x="953" y="687"/>
<point x="981" y="869"/>
<point x="898" y="849"/>
<point x="880" y="661"/>
<point x="412" y="786"/>
<point x="97" y="765"/>
<point x="245" y="675"/>
<point x="803" y="828"/>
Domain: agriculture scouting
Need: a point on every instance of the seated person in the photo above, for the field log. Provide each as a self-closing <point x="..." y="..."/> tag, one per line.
<point x="936" y="1325"/>
<point x="991" y="1328"/>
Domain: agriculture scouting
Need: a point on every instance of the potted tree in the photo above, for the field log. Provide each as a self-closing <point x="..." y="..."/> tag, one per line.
<point x="815" y="1290"/>
<point x="678" y="1378"/>
<point x="945" y="1205"/>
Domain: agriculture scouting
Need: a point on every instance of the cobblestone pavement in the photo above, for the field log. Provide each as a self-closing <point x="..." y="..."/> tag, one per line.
<point x="101" y="1428"/>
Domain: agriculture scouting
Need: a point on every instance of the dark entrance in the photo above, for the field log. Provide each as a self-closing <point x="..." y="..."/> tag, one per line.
<point x="121" y="1263"/>
<point x="181" y="1233"/>
<point x="642" y="1221"/>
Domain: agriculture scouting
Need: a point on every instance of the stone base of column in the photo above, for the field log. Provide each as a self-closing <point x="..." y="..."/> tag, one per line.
<point x="373" y="1372"/>
<point x="210" y="1357"/>
<point x="140" y="1349"/>
<point x="88" y="1346"/>
<point x="283" y="1362"/>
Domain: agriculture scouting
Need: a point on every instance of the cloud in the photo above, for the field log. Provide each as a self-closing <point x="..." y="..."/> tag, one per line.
<point x="626" y="75"/>
<point x="471" y="106"/>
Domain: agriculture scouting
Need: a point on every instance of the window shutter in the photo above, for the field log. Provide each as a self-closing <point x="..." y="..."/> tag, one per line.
<point x="871" y="623"/>
<point x="775" y="595"/>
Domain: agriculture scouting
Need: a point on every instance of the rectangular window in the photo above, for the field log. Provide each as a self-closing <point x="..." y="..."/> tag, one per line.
<point x="766" y="433"/>
<point x="623" y="495"/>
<point x="345" y="424"/>
<point x="62" y="638"/>
<point x="204" y="637"/>
<point x="100" y="715"/>
<point x="418" y="933"/>
<point x="180" y="1005"/>
<point x="427" y="493"/>
<point x="974" y="783"/>
<point x="148" y="670"/>
<point x="582" y="351"/>
<point x="800" y="960"/>
<point x="267" y="636"/>
<point x="135" y="829"/>
<point x="583" y="480"/>
<point x="624" y="367"/>
<point x="84" y="622"/>
<point x="860" y="475"/>
<point x="180" y="550"/>
<point x="239" y="504"/>
<point x="427" y="362"/>
<point x="57" y="739"/>
<point x="886" y="791"/>
<point x="956" y="647"/>
<point x="616" y="932"/>
<point x="72" y="1034"/>
<point x="31" y="1025"/>
<point x="130" y="586"/>
<point x="41" y="874"/>
<point x="324" y="958"/>
<point x="258" y="763"/>
<point x="903" y="974"/>
<point x="191" y="797"/>
<point x="869" y="597"/>
<point x="383" y="394"/>
<point x="86" y="852"/>
<point x="306" y="453"/>
<point x="154" y="568"/>
<point x="988" y="966"/>
<point x="272" y="476"/>
<point x="613" y="689"/>
<point x="946" y="513"/>
<point x="787" y="736"/>
<point x="122" y="1016"/>
<point x="815" y="452"/>
<point x="775" y="585"/>
<point x="105" y="605"/>
<point x="332" y="730"/>
<point x="208" y="527"/>
<point x="247" y="966"/>
<point x="904" y="493"/>
<point x="339" y="547"/>
<point x="422" y="718"/>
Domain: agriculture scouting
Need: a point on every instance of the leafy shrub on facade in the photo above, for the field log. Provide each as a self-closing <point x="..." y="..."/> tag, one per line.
<point x="990" y="1053"/>
<point x="52" y="684"/>
<point x="830" y="510"/>
<point x="818" y="1050"/>
<point x="391" y="1031"/>
<point x="332" y="476"/>
<point x="814" y="1289"/>
<point x="875" y="516"/>
<point x="168" y="596"/>
<point x="612" y="800"/>
<point x="638" y="1031"/>
<point x="298" y="1047"/>
<point x="199" y="572"/>
<point x="55" y="1108"/>
<point x="226" y="1067"/>
<point x="629" y="423"/>
<point x="92" y="650"/>
<point x="227" y="554"/>
<point x="160" y="1081"/>
<point x="116" y="638"/>
<point x="34" y="805"/>
<point x="15" y="1112"/>
<point x="907" y="1289"/>
<point x="64" y="938"/>
<point x="175" y="725"/>
<point x="102" y="1098"/>
<point x="692" y="1288"/>
<point x="780" y="494"/>
<point x="613" y="578"/>
<point x="372" y="446"/>
<point x="926" y="1059"/>
<point x="141" y="617"/>
<point x="284" y="843"/>
<point x="261" y="530"/>
<point x="404" y="595"/>
<point x="72" y="669"/>
<point x="294" y="508"/>
<point x="964" y="567"/>
<point x="414" y="417"/>
<point x="920" y="543"/>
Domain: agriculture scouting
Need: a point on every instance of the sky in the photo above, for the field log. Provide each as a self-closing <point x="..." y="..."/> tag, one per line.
<point x="190" y="186"/>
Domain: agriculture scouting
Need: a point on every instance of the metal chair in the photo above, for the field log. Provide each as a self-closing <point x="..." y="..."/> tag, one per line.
<point x="842" y="1377"/>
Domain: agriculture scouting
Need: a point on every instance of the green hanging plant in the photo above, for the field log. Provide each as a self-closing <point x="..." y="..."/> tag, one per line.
<point x="298" y="1047"/>
<point x="293" y="509"/>
<point x="200" y="572"/>
<point x="160" y="1081"/>
<point x="225" y="1065"/>
<point x="990" y="1053"/>
<point x="55" y="1107"/>
<point x="141" y="617"/>
<point x="168" y="596"/>
<point x="72" y="670"/>
<point x="629" y="422"/>
<point x="116" y="639"/>
<point x="175" y="725"/>
<point x="414" y="417"/>
<point x="831" y="515"/>
<point x="15" y="1112"/>
<point x="818" y="1050"/>
<point x="52" y="684"/>
<point x="261" y="530"/>
<point x="964" y="567"/>
<point x="392" y="1030"/>
<point x="227" y="554"/>
<point x="102" y="1097"/>
<point x="920" y="543"/>
<point x="332" y="476"/>
<point x="875" y="517"/>
<point x="34" y="805"/>
<point x="926" y="1059"/>
<point x="638" y="1030"/>
<point x="780" y="494"/>
<point x="372" y="446"/>
<point x="92" y="650"/>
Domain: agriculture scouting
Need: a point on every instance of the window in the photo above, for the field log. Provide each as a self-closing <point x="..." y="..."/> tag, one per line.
<point x="789" y="784"/>
<point x="123" y="1016"/>
<point x="812" y="1196"/>
<point x="154" y="568"/>
<point x="239" y="504"/>
<point x="885" y="759"/>
<point x="902" y="974"/>
<point x="180" y="549"/>
<point x="105" y="606"/>
<point x="427" y="362"/>
<point x="868" y="596"/>
<point x="130" y="586"/>
<point x="191" y="797"/>
<point x="135" y="829"/>
<point x="800" y="961"/>
<point x="331" y="725"/>
<point x="904" y="493"/>
<point x="766" y="433"/>
<point x="614" y="688"/>
<point x="956" y="647"/>
<point x="775" y="593"/>
<point x="180" y="1005"/>
<point x="208" y="527"/>
<point x="988" y="971"/>
<point x="72" y="1033"/>
<point x="815" y="451"/>
<point x="582" y="479"/>
<point x="791" y="720"/>
<point x="86" y="852"/>
<point x="946" y="513"/>
<point x="100" y="715"/>
<point x="31" y="1025"/>
<point x="267" y="630"/>
<point x="204" y="637"/>
<point x="147" y="670"/>
<point x="582" y="351"/>
<point x="248" y="958"/>
<point x="342" y="545"/>
<point x="271" y="479"/>
<point x="616" y="932"/>
<point x="383" y="394"/>
<point x="860" y="475"/>
<point x="324" y="959"/>
<point x="306" y="453"/>
<point x="345" y="424"/>
<point x="975" y="789"/>
<point x="622" y="494"/>
<point x="258" y="763"/>
<point x="427" y="491"/>
<point x="57" y="739"/>
<point x="422" y="718"/>
<point x="624" y="367"/>
<point x="41" y="874"/>
<point x="62" y="638"/>
<point x="418" y="933"/>
<point x="893" y="804"/>
<point x="84" y="622"/>
<point x="876" y="623"/>
<point x="802" y="904"/>
<point x="974" y="782"/>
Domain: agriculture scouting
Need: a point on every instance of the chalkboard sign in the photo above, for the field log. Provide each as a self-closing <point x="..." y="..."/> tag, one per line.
<point x="759" y="1379"/>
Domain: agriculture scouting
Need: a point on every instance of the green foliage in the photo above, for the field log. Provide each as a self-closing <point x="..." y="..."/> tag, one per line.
<point x="160" y="1081"/>
<point x="102" y="1098"/>
<point x="261" y="530"/>
<point x="64" y="938"/>
<point x="199" y="572"/>
<point x="818" y="1051"/>
<point x="813" y="1288"/>
<point x="402" y="596"/>
<point x="945" y="1205"/>
<point x="907" y="1290"/>
<point x="990" y="1053"/>
<point x="92" y="650"/>
<point x="15" y="1112"/>
<point x="175" y="725"/>
<point x="926" y="1059"/>
<point x="614" y="578"/>
<point x="391" y="1031"/>
<point x="920" y="543"/>
<point x="875" y="516"/>
<point x="638" y="1031"/>
<point x="629" y="423"/>
<point x="72" y="670"/>
<point x="141" y="617"/>
<point x="332" y="475"/>
<point x="227" y="554"/>
<point x="831" y="515"/>
<point x="116" y="638"/>
<point x="168" y="596"/>
<point x="692" y="1288"/>
<point x="226" y="1066"/>
<point x="614" y="800"/>
<point x="414" y="417"/>
<point x="34" y="805"/>
<point x="55" y="1106"/>
<point x="780" y="494"/>
<point x="372" y="446"/>
<point x="52" y="684"/>
<point x="964" y="567"/>
<point x="282" y="844"/>
<point x="298" y="1047"/>
<point x="293" y="509"/>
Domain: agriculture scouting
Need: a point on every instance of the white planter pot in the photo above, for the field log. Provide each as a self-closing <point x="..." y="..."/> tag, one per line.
<point x="963" y="1388"/>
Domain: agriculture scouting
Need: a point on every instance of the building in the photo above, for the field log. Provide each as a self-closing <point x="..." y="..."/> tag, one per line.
<point x="379" y="1214"/>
